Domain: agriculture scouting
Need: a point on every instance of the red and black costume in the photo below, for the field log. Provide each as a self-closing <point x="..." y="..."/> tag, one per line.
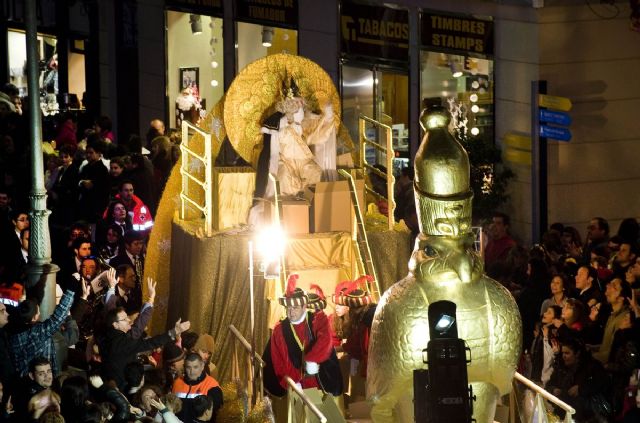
<point x="286" y="358"/>
<point x="292" y="345"/>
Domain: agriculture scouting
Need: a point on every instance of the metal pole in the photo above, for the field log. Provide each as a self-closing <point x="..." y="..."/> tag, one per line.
<point x="538" y="165"/>
<point x="253" y="332"/>
<point x="40" y="269"/>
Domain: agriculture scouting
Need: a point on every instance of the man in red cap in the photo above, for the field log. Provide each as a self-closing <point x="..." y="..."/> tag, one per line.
<point x="301" y="348"/>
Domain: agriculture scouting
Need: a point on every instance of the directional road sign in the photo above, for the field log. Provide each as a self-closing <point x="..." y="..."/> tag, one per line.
<point x="514" y="140"/>
<point x="555" y="132"/>
<point x="555" y="102"/>
<point x="552" y="116"/>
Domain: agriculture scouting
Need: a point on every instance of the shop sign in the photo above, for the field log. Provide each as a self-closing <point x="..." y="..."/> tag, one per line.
<point x="280" y="13"/>
<point x="374" y="31"/>
<point x="455" y="33"/>
<point x="206" y="7"/>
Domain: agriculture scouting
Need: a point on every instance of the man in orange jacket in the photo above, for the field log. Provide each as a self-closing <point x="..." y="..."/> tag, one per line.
<point x="194" y="383"/>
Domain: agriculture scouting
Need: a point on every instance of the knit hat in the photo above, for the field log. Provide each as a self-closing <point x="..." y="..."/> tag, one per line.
<point x="353" y="293"/>
<point x="172" y="353"/>
<point x="317" y="300"/>
<point x="293" y="296"/>
<point x="205" y="343"/>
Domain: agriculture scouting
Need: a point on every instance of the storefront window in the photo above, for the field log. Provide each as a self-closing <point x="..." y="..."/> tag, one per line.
<point x="464" y="85"/>
<point x="381" y="95"/>
<point x="18" y="60"/>
<point x="257" y="41"/>
<point x="195" y="78"/>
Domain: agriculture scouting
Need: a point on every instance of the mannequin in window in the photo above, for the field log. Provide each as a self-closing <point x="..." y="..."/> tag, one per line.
<point x="187" y="107"/>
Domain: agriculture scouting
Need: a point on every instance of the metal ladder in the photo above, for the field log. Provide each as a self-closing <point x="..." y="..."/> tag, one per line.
<point x="360" y="240"/>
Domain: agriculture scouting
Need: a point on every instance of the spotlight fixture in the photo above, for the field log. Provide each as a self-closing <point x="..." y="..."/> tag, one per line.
<point x="267" y="36"/>
<point x="435" y="401"/>
<point x="196" y="24"/>
<point x="442" y="320"/>
<point x="457" y="68"/>
<point x="445" y="323"/>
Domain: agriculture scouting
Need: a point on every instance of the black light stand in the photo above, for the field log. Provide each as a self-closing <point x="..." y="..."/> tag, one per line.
<point x="442" y="393"/>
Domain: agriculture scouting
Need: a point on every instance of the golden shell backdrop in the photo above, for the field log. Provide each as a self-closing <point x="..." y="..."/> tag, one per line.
<point x="158" y="260"/>
<point x="255" y="91"/>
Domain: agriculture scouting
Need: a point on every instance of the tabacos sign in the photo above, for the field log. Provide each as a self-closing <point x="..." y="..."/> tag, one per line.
<point x="454" y="33"/>
<point x="374" y="31"/>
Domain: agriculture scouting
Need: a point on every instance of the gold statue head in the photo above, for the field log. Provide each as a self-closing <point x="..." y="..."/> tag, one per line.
<point x="442" y="190"/>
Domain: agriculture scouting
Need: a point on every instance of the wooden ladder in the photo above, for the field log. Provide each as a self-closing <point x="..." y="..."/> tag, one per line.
<point x="360" y="240"/>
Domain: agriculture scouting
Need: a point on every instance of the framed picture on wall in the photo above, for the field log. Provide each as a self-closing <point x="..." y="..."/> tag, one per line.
<point x="189" y="78"/>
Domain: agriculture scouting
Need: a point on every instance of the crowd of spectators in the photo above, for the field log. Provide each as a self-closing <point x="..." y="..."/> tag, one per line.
<point x="579" y="307"/>
<point x="91" y="360"/>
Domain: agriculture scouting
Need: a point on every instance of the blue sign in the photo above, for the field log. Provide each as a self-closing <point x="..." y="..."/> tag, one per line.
<point x="555" y="132"/>
<point x="552" y="116"/>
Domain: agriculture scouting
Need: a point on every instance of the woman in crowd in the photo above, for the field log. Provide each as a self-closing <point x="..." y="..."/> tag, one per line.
<point x="574" y="315"/>
<point x="623" y="358"/>
<point x="116" y="175"/>
<point x="113" y="243"/>
<point x="117" y="216"/>
<point x="572" y="242"/>
<point x="544" y="346"/>
<point x="581" y="381"/>
<point x="74" y="397"/>
<point x="558" y="293"/>
<point x="149" y="393"/>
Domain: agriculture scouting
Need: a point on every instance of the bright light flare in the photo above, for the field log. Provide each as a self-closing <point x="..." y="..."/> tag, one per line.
<point x="270" y="243"/>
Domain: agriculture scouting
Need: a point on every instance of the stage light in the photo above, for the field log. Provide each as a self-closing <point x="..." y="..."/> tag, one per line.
<point x="270" y="244"/>
<point x="475" y="108"/>
<point x="267" y="36"/>
<point x="473" y="98"/>
<point x="442" y="320"/>
<point x="475" y="131"/>
<point x="445" y="323"/>
<point x="196" y="24"/>
<point x="442" y="392"/>
<point x="457" y="68"/>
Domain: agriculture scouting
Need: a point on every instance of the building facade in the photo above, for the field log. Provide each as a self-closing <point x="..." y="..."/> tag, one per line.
<point x="172" y="59"/>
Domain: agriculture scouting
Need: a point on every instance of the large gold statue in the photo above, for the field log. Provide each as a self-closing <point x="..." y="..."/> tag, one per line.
<point x="443" y="266"/>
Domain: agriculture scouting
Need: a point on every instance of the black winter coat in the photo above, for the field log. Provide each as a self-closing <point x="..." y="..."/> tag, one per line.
<point x="118" y="349"/>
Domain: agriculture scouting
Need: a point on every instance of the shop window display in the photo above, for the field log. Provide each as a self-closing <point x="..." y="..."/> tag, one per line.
<point x="195" y="65"/>
<point x="48" y="66"/>
<point x="464" y="83"/>
<point x="257" y="41"/>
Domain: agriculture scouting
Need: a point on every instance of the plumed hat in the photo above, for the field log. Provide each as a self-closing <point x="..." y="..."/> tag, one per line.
<point x="293" y="296"/>
<point x="317" y="300"/>
<point x="353" y="293"/>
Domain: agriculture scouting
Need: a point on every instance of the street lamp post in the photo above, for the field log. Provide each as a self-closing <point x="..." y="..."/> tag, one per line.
<point x="40" y="269"/>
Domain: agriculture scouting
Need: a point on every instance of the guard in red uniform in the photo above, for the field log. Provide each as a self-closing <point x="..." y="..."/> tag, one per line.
<point x="355" y="295"/>
<point x="301" y="348"/>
